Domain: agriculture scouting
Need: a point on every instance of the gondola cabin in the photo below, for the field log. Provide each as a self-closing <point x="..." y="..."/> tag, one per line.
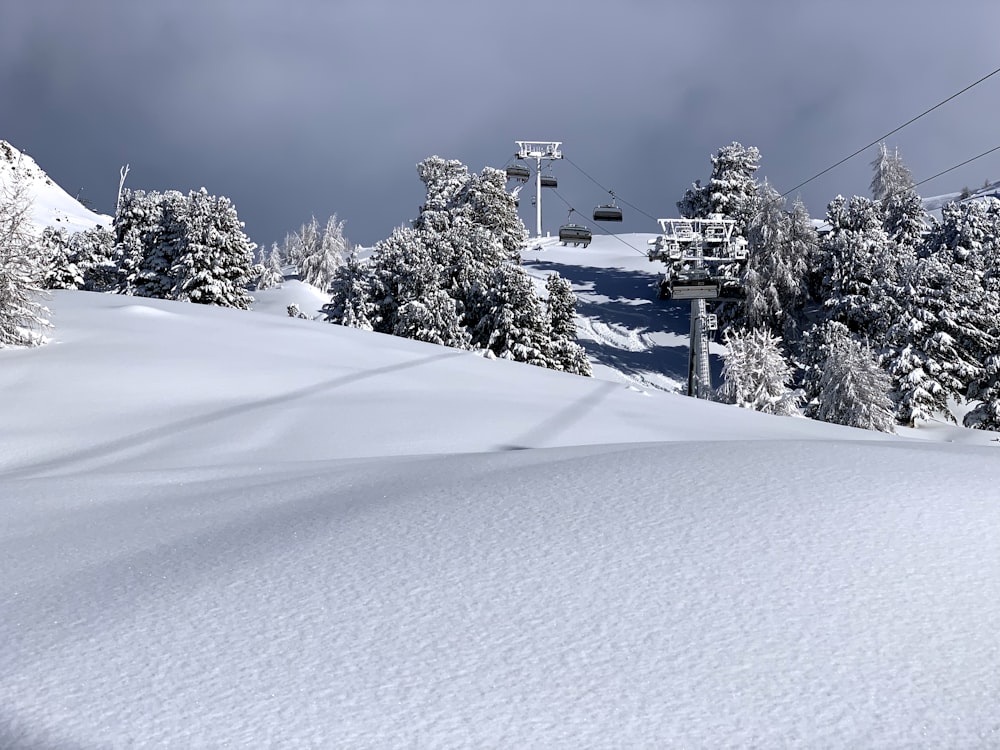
<point x="607" y="213"/>
<point x="575" y="234"/>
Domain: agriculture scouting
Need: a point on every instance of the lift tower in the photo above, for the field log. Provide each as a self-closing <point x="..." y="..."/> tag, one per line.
<point x="704" y="262"/>
<point x="538" y="150"/>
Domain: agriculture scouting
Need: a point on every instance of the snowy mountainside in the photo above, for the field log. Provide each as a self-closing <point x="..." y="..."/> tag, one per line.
<point x="934" y="203"/>
<point x="51" y="205"/>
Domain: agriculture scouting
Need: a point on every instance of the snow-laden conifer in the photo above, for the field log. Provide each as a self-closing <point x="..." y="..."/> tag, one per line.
<point x="215" y="261"/>
<point x="891" y="175"/>
<point x="22" y="316"/>
<point x="775" y="279"/>
<point x="852" y="390"/>
<point x="351" y="299"/>
<point x="61" y="270"/>
<point x="730" y="191"/>
<point x="756" y="374"/>
<point x="564" y="353"/>
<point x="270" y="269"/>
<point x="321" y="259"/>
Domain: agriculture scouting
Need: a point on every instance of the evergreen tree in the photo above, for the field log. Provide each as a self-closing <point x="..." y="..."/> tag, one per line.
<point x="215" y="263"/>
<point x="351" y="298"/>
<point x="270" y="274"/>
<point x="302" y="244"/>
<point x="985" y="415"/>
<point x="756" y="374"/>
<point x="853" y="389"/>
<point x="21" y="314"/>
<point x="94" y="253"/>
<point x="321" y="259"/>
<point x="891" y="174"/>
<point x="732" y="189"/>
<point x="452" y="277"/>
<point x="192" y="248"/>
<point x="775" y="278"/>
<point x="564" y="353"/>
<point x="859" y="267"/>
<point x="61" y="270"/>
<point x="516" y="326"/>
<point x="137" y="231"/>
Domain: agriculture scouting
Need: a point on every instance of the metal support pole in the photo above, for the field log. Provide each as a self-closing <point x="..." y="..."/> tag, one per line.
<point x="538" y="197"/>
<point x="699" y="372"/>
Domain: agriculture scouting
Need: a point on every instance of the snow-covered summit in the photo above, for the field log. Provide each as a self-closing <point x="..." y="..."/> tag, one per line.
<point x="51" y="205"/>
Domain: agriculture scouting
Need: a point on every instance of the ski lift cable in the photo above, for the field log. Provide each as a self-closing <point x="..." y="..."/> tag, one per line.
<point x="594" y="225"/>
<point x="962" y="164"/>
<point x="606" y="190"/>
<point x="892" y="132"/>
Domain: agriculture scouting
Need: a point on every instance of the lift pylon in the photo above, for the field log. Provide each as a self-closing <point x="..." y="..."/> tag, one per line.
<point x="538" y="150"/>
<point x="704" y="260"/>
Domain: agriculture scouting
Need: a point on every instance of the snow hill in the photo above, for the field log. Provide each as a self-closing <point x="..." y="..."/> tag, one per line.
<point x="223" y="528"/>
<point x="51" y="205"/>
<point x="935" y="203"/>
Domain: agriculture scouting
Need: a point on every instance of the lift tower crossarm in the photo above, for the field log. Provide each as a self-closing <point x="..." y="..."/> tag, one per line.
<point x="538" y="150"/>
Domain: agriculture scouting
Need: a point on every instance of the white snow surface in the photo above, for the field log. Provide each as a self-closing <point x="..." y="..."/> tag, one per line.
<point x="50" y="204"/>
<point x="238" y="529"/>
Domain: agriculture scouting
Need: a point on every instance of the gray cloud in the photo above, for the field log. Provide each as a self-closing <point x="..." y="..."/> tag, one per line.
<point x="310" y="107"/>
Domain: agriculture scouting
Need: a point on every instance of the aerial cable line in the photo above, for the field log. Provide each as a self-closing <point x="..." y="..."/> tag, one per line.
<point x="950" y="169"/>
<point x="606" y="231"/>
<point x="891" y="132"/>
<point x="606" y="190"/>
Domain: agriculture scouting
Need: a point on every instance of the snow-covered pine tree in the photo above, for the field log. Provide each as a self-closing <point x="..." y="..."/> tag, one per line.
<point x="215" y="263"/>
<point x="775" y="278"/>
<point x="564" y="354"/>
<point x="22" y="316"/>
<point x="903" y="215"/>
<point x="852" y="389"/>
<point x="516" y="326"/>
<point x="137" y="230"/>
<point x="164" y="242"/>
<point x="351" y="301"/>
<point x="891" y="176"/>
<point x="756" y="374"/>
<point x="859" y="267"/>
<point x="321" y="259"/>
<point x="432" y="318"/>
<point x="985" y="415"/>
<point x="94" y="250"/>
<point x="271" y="274"/>
<point x="301" y="244"/>
<point x="731" y="190"/>
<point x="61" y="269"/>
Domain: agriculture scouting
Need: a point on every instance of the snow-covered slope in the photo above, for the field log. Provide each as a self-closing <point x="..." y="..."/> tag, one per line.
<point x="227" y="528"/>
<point x="934" y="203"/>
<point x="239" y="529"/>
<point x="51" y="205"/>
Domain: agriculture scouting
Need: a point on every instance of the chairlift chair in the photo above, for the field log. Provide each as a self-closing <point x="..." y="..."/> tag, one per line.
<point x="549" y="181"/>
<point x="608" y="212"/>
<point x="518" y="172"/>
<point x="575" y="234"/>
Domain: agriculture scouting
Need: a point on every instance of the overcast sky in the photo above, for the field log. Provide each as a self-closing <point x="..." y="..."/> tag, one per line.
<point x="313" y="107"/>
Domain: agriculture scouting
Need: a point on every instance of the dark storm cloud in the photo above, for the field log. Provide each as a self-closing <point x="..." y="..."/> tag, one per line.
<point x="310" y="107"/>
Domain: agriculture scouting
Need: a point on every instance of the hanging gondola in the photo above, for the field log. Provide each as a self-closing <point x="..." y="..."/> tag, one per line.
<point x="518" y="172"/>
<point x="608" y="212"/>
<point x="575" y="234"/>
<point x="549" y="181"/>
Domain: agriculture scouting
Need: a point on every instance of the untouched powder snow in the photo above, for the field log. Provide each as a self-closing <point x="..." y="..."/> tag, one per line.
<point x="238" y="529"/>
<point x="50" y="204"/>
